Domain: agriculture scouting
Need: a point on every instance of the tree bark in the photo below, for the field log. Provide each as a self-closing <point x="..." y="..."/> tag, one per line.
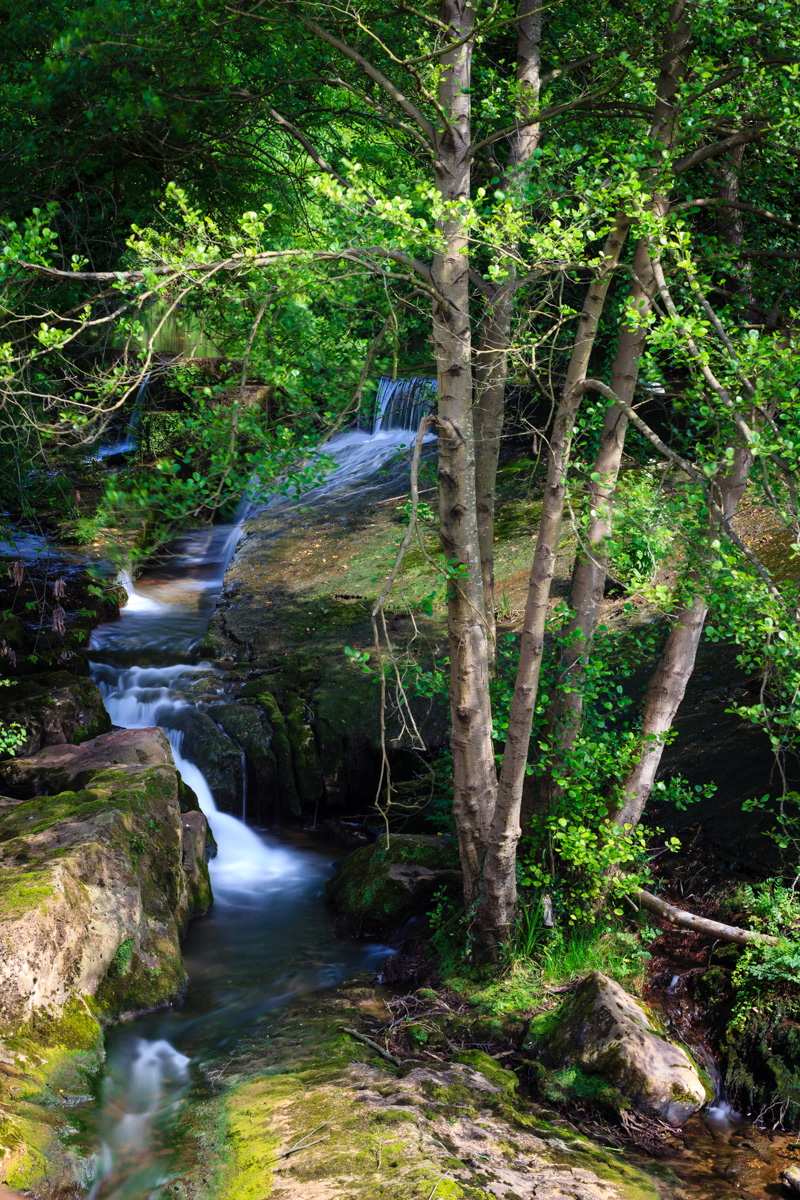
<point x="499" y="892"/>
<point x="668" y="682"/>
<point x="591" y="564"/>
<point x="474" y="775"/>
<point x="491" y="367"/>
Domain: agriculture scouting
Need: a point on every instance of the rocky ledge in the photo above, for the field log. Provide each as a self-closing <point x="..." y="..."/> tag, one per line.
<point x="102" y="862"/>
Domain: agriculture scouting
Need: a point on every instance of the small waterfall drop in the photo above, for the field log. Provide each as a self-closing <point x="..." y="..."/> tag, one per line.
<point x="130" y="441"/>
<point x="402" y="403"/>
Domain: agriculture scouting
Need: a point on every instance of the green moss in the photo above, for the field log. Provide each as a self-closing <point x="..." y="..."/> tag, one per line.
<point x="369" y="895"/>
<point x="19" y="893"/>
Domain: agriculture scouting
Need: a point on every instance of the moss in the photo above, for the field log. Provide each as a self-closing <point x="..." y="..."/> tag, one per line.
<point x="370" y="895"/>
<point x="282" y="748"/>
<point x="25" y="891"/>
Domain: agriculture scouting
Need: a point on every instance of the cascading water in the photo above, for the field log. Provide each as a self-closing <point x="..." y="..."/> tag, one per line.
<point x="130" y="440"/>
<point x="268" y="936"/>
<point x="401" y="403"/>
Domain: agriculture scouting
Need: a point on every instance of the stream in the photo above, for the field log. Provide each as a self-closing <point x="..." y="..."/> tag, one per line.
<point x="269" y="935"/>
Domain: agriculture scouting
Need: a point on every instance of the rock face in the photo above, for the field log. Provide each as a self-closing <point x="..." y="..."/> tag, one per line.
<point x="100" y="871"/>
<point x="380" y="886"/>
<point x="54" y="709"/>
<point x="604" y="1031"/>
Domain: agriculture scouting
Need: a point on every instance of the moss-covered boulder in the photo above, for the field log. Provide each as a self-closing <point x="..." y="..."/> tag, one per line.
<point x="306" y="1111"/>
<point x="54" y="709"/>
<point x="378" y="887"/>
<point x="98" y="879"/>
<point x="604" y="1032"/>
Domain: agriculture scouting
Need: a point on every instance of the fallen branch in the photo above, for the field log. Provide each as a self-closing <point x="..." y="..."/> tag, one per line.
<point x="686" y="920"/>
<point x="304" y="1143"/>
<point x="360" y="1037"/>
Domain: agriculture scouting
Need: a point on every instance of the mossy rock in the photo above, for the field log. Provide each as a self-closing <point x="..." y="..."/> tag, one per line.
<point x="601" y="1031"/>
<point x="378" y="887"/>
<point x="54" y="709"/>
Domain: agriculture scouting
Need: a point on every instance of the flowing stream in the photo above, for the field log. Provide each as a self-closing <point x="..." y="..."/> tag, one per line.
<point x="269" y="936"/>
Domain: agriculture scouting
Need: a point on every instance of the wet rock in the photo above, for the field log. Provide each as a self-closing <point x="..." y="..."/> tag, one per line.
<point x="67" y="766"/>
<point x="194" y="832"/>
<point x="307" y="767"/>
<point x="219" y="758"/>
<point x="378" y="887"/>
<point x="99" y="874"/>
<point x="604" y="1031"/>
<point x="281" y="746"/>
<point x="249" y="727"/>
<point x="54" y="709"/>
<point x="791" y="1180"/>
<point x="94" y="892"/>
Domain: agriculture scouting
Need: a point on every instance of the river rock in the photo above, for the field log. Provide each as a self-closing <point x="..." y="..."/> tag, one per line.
<point x="219" y="758"/>
<point x="604" y="1031"/>
<point x="250" y="729"/>
<point x="378" y="887"/>
<point x="97" y="882"/>
<point x="791" y="1180"/>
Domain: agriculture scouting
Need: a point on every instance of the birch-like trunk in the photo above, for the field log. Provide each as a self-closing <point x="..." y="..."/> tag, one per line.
<point x="591" y="564"/>
<point x="668" y="682"/>
<point x="499" y="892"/>
<point x="474" y="775"/>
<point x="491" y="368"/>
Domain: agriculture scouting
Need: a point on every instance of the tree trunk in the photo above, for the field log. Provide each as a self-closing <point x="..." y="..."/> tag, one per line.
<point x="474" y="775"/>
<point x="499" y="883"/>
<point x="668" y="682"/>
<point x="591" y="564"/>
<point x="491" y="368"/>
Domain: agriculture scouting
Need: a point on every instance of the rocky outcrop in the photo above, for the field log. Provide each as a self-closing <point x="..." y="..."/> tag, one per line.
<point x="53" y="709"/>
<point x="100" y="871"/>
<point x="378" y="887"/>
<point x="307" y="1112"/>
<point x="603" y="1031"/>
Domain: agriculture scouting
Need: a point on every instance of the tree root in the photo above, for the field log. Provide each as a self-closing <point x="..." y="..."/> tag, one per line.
<point x="686" y="920"/>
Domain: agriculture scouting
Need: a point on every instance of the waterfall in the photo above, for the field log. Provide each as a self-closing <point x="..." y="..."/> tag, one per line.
<point x="402" y="403"/>
<point x="130" y="441"/>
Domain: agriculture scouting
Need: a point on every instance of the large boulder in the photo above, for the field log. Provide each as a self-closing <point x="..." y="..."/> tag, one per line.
<point x="378" y="887"/>
<point x="98" y="879"/>
<point x="603" y="1031"/>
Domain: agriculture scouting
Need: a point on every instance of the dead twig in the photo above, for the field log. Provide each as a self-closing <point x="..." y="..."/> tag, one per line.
<point x="360" y="1037"/>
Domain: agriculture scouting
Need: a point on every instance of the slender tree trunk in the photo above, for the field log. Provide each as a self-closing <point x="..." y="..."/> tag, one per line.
<point x="491" y="368"/>
<point x="474" y="775"/>
<point x="591" y="564"/>
<point x="668" y="682"/>
<point x="499" y="883"/>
